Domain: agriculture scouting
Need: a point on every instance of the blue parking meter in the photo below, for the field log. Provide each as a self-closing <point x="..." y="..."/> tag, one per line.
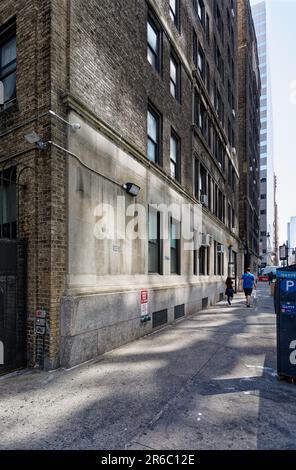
<point x="285" y="305"/>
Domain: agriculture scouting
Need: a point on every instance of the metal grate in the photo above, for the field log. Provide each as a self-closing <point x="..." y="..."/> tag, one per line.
<point x="13" y="304"/>
<point x="159" y="318"/>
<point x="179" y="311"/>
<point x="205" y="302"/>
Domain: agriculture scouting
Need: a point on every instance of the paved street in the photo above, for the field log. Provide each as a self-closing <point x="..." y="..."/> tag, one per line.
<point x="208" y="382"/>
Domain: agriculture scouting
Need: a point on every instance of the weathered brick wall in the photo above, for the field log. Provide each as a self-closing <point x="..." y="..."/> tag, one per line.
<point x="111" y="75"/>
<point x="249" y="125"/>
<point x="42" y="219"/>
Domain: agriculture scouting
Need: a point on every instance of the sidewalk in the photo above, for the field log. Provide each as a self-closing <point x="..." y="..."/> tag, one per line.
<point x="208" y="382"/>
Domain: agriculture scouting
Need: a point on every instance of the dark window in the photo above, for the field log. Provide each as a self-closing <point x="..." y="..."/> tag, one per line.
<point x="233" y="218"/>
<point x="263" y="196"/>
<point x="209" y="193"/>
<point x="8" y="61"/>
<point x="153" y="135"/>
<point x="153" y="44"/>
<point x="200" y="10"/>
<point x="8" y="203"/>
<point x="201" y="117"/>
<point x="220" y="205"/>
<point x="201" y="63"/>
<point x="202" y="261"/>
<point x="175" y="77"/>
<point x="175" y="159"/>
<point x="194" y="48"/>
<point x="203" y="181"/>
<point x="263" y="180"/>
<point x="215" y="258"/>
<point x="175" y="246"/>
<point x="208" y="78"/>
<point x="175" y="12"/>
<point x="195" y="254"/>
<point x="208" y="28"/>
<point x="263" y="212"/>
<point x="220" y="261"/>
<point x="154" y="243"/>
<point x="196" y="178"/>
<point x="219" y="107"/>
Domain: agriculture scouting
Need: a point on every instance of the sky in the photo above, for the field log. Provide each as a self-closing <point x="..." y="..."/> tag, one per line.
<point x="282" y="57"/>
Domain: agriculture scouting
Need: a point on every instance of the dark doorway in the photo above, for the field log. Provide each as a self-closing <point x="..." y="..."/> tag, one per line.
<point x="12" y="305"/>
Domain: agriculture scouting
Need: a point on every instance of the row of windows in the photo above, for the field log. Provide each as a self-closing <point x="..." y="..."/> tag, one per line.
<point x="154" y="58"/>
<point x="202" y="186"/>
<point x="154" y="134"/>
<point x="208" y="192"/>
<point x="201" y="257"/>
<point x="204" y="122"/>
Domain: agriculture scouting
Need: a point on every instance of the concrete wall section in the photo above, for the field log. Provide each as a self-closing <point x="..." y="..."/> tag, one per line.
<point x="94" y="324"/>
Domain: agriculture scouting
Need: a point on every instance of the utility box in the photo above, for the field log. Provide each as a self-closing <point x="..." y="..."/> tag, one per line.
<point x="285" y="307"/>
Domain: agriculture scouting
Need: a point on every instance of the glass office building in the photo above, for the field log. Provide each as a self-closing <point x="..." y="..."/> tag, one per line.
<point x="266" y="247"/>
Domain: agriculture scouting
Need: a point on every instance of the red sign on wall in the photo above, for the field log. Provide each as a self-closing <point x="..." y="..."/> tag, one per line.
<point x="144" y="296"/>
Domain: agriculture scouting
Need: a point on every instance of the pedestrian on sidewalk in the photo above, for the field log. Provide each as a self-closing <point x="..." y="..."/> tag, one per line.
<point x="249" y="283"/>
<point x="229" y="290"/>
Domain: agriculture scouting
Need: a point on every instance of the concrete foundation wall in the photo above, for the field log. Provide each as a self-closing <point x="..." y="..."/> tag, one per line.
<point x="94" y="324"/>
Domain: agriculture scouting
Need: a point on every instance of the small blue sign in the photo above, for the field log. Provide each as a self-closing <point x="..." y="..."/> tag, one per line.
<point x="288" y="308"/>
<point x="286" y="274"/>
<point x="288" y="286"/>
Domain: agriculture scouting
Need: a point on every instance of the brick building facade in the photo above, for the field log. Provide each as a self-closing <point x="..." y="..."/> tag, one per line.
<point x="249" y="135"/>
<point x="113" y="67"/>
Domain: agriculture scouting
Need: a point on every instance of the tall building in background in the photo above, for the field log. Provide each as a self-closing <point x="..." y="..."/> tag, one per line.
<point x="267" y="208"/>
<point x="249" y="135"/>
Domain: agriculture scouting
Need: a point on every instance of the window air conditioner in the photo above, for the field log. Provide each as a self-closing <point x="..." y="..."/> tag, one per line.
<point x="220" y="248"/>
<point x="204" y="199"/>
<point x="206" y="240"/>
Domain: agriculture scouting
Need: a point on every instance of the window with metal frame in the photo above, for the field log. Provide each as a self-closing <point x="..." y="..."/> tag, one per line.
<point x="175" y="12"/>
<point x="153" y="44"/>
<point x="175" y="245"/>
<point x="175" y="156"/>
<point x="154" y="242"/>
<point x="175" y="75"/>
<point x="8" y="60"/>
<point x="153" y="134"/>
<point x="8" y="203"/>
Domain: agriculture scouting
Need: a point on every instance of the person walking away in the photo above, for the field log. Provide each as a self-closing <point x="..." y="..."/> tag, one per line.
<point x="249" y="283"/>
<point x="270" y="278"/>
<point x="229" y="290"/>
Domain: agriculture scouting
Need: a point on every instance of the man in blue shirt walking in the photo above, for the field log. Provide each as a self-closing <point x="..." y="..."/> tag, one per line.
<point x="249" y="283"/>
